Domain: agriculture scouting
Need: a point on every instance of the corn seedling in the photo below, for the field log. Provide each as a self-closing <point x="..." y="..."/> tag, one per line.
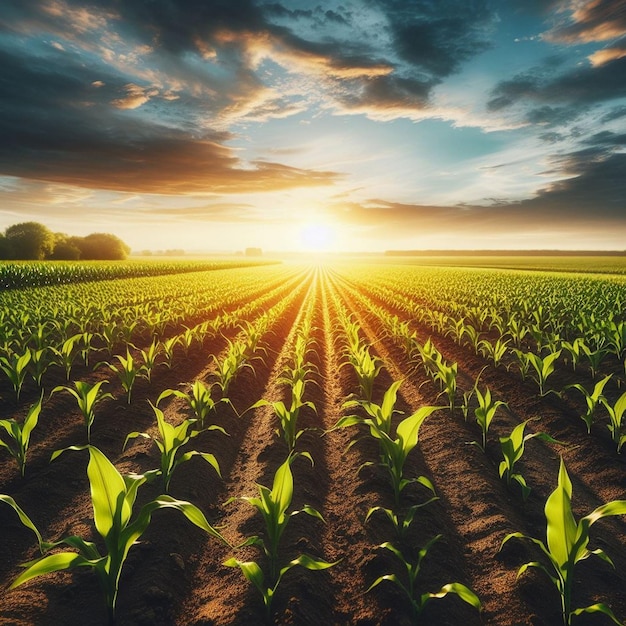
<point x="168" y="349"/>
<point x="513" y="450"/>
<point x="200" y="401"/>
<point x="39" y="364"/>
<point x="366" y="368"/>
<point x="518" y="330"/>
<point x="592" y="400"/>
<point x="447" y="375"/>
<point x="17" y="437"/>
<point x="473" y="337"/>
<point x="418" y="601"/>
<point x="400" y="523"/>
<point x="227" y="369"/>
<point x="595" y="357"/>
<point x="288" y="417"/>
<point x="543" y="367"/>
<point x="273" y="505"/>
<point x="566" y="544"/>
<point x="170" y="442"/>
<point x="616" y="420"/>
<point x="87" y="396"/>
<point x="15" y="366"/>
<point x="113" y="497"/>
<point x="394" y="451"/>
<point x="149" y="357"/>
<point x="574" y="349"/>
<point x="495" y="351"/>
<point x="616" y="337"/>
<point x="253" y="573"/>
<point x="485" y="412"/>
<point x="67" y="353"/>
<point x="127" y="371"/>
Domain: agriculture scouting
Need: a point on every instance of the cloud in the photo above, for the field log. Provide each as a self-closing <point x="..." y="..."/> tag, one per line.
<point x="589" y="21"/>
<point x="135" y="96"/>
<point x="600" y="57"/>
<point x="438" y="39"/>
<point x="580" y="87"/>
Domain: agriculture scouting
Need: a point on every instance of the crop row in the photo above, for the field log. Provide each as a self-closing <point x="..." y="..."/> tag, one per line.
<point x="20" y="275"/>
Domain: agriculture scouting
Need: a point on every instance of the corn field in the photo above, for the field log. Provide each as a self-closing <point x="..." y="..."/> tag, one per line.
<point x="351" y="443"/>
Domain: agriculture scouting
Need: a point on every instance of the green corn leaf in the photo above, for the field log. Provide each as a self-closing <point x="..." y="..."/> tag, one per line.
<point x="598" y="608"/>
<point x="51" y="563"/>
<point x="465" y="593"/>
<point x="107" y="493"/>
<point x="251" y="571"/>
<point x="561" y="528"/>
<point x="24" y="519"/>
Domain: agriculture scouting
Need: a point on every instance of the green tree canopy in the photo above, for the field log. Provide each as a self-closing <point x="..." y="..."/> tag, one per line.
<point x="29" y="241"/>
<point x="102" y="246"/>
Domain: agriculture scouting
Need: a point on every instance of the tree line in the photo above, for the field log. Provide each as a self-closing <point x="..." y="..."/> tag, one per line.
<point x="34" y="241"/>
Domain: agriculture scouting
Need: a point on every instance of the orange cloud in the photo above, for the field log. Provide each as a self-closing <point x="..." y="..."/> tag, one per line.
<point x="608" y="54"/>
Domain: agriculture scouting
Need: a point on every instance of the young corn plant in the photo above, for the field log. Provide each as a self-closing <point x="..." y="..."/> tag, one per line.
<point x="170" y="442"/>
<point x="485" y="412"/>
<point x="494" y="351"/>
<point x="543" y="367"/>
<point x="15" y="366"/>
<point x="288" y="417"/>
<point x="412" y="566"/>
<point x="366" y="368"/>
<point x="113" y="498"/>
<point x="574" y="349"/>
<point x="149" y="356"/>
<point x="200" y="401"/>
<point x="168" y="347"/>
<point x="87" y="396"/>
<point x="512" y="451"/>
<point x="127" y="371"/>
<point x="595" y="357"/>
<point x="617" y="423"/>
<point x="67" y="353"/>
<point x="447" y="376"/>
<point x="400" y="523"/>
<point x="17" y="436"/>
<point x="380" y="414"/>
<point x="39" y="364"/>
<point x="592" y="400"/>
<point x="394" y="450"/>
<point x="567" y="544"/>
<point x="273" y="505"/>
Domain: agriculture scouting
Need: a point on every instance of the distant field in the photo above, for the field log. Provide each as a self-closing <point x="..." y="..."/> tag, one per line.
<point x="592" y="264"/>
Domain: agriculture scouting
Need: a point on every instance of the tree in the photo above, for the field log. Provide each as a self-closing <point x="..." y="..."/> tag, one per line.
<point x="29" y="241"/>
<point x="65" y="248"/>
<point x="101" y="247"/>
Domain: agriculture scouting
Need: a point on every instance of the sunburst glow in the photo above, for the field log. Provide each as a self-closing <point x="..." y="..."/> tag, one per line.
<point x="318" y="237"/>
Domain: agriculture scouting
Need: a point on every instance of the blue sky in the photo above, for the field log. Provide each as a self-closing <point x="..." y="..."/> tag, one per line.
<point x="341" y="125"/>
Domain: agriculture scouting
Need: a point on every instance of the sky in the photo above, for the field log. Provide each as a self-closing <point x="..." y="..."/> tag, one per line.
<point x="334" y="126"/>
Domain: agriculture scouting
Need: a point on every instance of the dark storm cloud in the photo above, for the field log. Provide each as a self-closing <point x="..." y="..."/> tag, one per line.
<point x="593" y="195"/>
<point x="437" y="38"/>
<point x="580" y="87"/>
<point x="595" y="191"/>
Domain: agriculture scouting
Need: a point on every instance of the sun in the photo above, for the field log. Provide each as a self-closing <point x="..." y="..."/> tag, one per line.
<point x="317" y="237"/>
